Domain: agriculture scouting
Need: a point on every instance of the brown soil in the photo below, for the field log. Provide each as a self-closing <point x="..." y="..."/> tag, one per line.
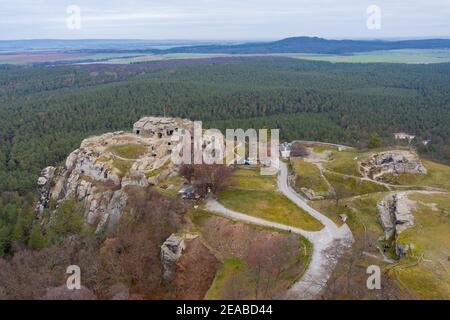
<point x="270" y="261"/>
<point x="234" y="238"/>
<point x="196" y="270"/>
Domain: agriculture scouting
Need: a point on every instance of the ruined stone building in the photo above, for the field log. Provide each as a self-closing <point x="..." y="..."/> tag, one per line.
<point x="162" y="127"/>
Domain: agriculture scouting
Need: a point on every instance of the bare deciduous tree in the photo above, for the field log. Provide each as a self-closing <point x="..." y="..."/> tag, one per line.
<point x="298" y="150"/>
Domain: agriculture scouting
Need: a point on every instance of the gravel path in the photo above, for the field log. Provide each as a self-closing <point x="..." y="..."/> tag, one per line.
<point x="322" y="263"/>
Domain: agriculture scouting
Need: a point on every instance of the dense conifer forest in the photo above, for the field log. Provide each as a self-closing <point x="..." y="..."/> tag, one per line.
<point x="45" y="112"/>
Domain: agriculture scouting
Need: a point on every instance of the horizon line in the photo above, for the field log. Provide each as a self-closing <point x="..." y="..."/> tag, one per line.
<point x="393" y="38"/>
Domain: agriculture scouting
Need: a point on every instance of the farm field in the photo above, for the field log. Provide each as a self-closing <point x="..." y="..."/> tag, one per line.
<point x="155" y="57"/>
<point x="421" y="56"/>
<point x="49" y="57"/>
<point x="408" y="56"/>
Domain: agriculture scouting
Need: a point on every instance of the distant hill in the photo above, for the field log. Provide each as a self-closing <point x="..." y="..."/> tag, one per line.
<point x="97" y="45"/>
<point x="288" y="45"/>
<point x="313" y="45"/>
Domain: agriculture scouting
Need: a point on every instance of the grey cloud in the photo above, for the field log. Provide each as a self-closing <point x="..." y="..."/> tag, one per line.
<point x="216" y="19"/>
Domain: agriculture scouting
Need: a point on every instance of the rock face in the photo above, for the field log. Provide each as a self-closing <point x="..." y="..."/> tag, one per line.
<point x="171" y="251"/>
<point x="98" y="173"/>
<point x="395" y="161"/>
<point x="44" y="186"/>
<point x="395" y="214"/>
<point x="161" y="127"/>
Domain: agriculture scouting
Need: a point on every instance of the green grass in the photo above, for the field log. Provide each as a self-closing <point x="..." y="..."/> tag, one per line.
<point x="122" y="165"/>
<point x="173" y="185"/>
<point x="246" y="171"/>
<point x="347" y="186"/>
<point x="198" y="216"/>
<point x="429" y="277"/>
<point x="361" y="212"/>
<point x="256" y="195"/>
<point x="343" y="162"/>
<point x="323" y="147"/>
<point x="402" y="178"/>
<point x="306" y="251"/>
<point x="230" y="266"/>
<point x="261" y="183"/>
<point x="128" y="151"/>
<point x="411" y="56"/>
<point x="270" y="206"/>
<point x="308" y="176"/>
<point x="157" y="171"/>
<point x="249" y="178"/>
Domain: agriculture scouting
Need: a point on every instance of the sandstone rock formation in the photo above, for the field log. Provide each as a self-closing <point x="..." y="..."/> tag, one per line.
<point x="395" y="214"/>
<point x="44" y="186"/>
<point x="62" y="293"/>
<point x="98" y="173"/>
<point x="171" y="251"/>
<point x="394" y="161"/>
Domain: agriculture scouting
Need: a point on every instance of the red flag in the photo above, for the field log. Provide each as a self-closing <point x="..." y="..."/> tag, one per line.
<point x="165" y="109"/>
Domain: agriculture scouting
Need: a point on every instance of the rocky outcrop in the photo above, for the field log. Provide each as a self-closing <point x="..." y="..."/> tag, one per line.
<point x="44" y="186"/>
<point x="171" y="251"/>
<point x="99" y="172"/>
<point x="312" y="195"/>
<point x="394" y="161"/>
<point x="395" y="214"/>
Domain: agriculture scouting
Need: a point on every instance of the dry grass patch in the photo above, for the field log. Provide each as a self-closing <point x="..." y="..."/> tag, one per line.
<point x="347" y="186"/>
<point x="257" y="262"/>
<point x="308" y="176"/>
<point x="128" y="151"/>
<point x="427" y="272"/>
<point x="345" y="162"/>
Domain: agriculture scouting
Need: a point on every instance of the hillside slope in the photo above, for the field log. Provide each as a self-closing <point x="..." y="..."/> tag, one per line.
<point x="313" y="45"/>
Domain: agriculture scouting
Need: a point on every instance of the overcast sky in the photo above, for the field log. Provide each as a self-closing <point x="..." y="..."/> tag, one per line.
<point x="222" y="19"/>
